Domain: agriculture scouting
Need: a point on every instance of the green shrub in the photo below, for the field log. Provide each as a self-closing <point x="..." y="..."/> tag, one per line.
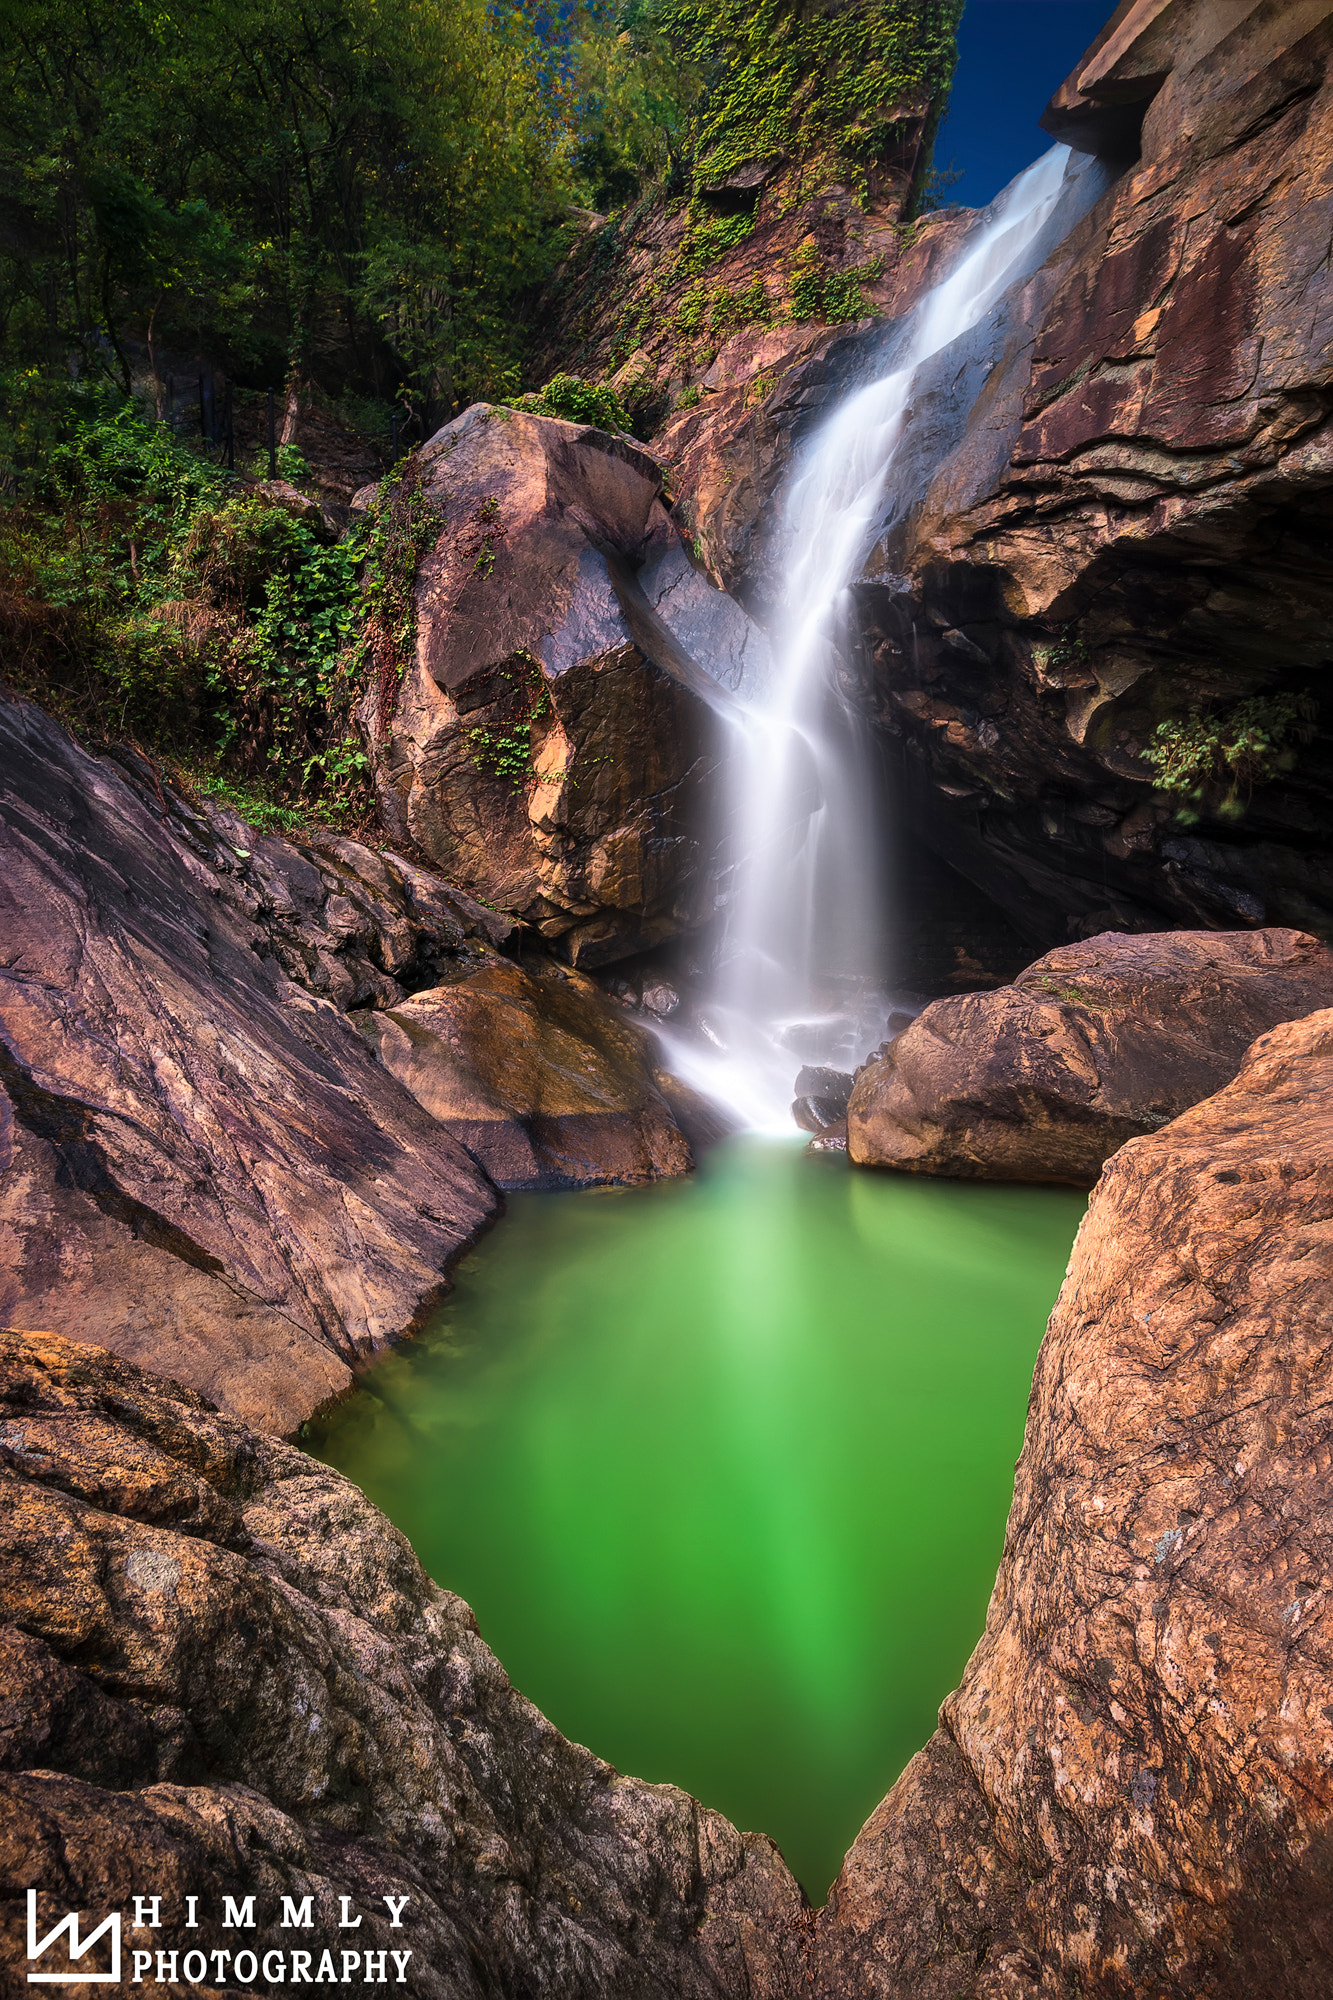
<point x="578" y="402"/>
<point x="145" y="592"/>
<point x="1210" y="760"/>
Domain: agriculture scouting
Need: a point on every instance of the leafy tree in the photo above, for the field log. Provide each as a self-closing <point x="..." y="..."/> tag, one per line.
<point x="347" y="189"/>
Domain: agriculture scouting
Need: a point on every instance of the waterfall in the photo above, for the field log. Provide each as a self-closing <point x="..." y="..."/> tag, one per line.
<point x="800" y="977"/>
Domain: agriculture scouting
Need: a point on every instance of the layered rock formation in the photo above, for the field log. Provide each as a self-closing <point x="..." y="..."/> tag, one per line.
<point x="1133" y="530"/>
<point x="1093" y="1045"/>
<point x="226" y="1675"/>
<point x="553" y="746"/>
<point x="1132" y="1791"/>
<point x="539" y="1078"/>
<point x="200" y="1157"/>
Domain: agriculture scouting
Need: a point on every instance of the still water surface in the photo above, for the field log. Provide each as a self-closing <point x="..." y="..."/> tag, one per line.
<point x="723" y="1465"/>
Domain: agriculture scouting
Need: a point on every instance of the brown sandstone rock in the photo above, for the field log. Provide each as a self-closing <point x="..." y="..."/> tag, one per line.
<point x="1132" y="1791"/>
<point x="1092" y="1045"/>
<point x="539" y="1077"/>
<point x="553" y="747"/>
<point x="225" y="1674"/>
<point x="201" y="1164"/>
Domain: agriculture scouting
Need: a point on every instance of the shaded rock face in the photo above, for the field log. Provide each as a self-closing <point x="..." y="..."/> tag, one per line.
<point x="1132" y="1791"/>
<point x="554" y="747"/>
<point x="225" y="1674"/>
<point x="1093" y="1045"/>
<point x="1135" y="527"/>
<point x="199" y="1157"/>
<point x="821" y="1100"/>
<point x="539" y="1077"/>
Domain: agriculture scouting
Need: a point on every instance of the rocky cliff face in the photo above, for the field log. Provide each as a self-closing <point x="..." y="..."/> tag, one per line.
<point x="1132" y="531"/>
<point x="200" y="1156"/>
<point x="554" y="746"/>
<point x="1112" y="515"/>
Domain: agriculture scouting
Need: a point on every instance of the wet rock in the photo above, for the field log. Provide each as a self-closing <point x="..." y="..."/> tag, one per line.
<point x="543" y="1081"/>
<point x="660" y="999"/>
<point x="1095" y="1043"/>
<point x="1132" y="1790"/>
<point x="821" y="1099"/>
<point x="230" y="1677"/>
<point x="201" y="1160"/>
<point x="553" y="747"/>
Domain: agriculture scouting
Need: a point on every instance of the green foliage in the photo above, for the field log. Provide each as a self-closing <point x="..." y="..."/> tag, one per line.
<point x="505" y="748"/>
<point x="692" y="310"/>
<point x="785" y="78"/>
<point x="251" y="803"/>
<point x="144" y="592"/>
<point x="707" y="241"/>
<point x="686" y="92"/>
<point x="831" y="296"/>
<point x="336" y="189"/>
<point x="291" y="464"/>
<point x="402" y="525"/>
<point x="578" y="402"/>
<point x="1208" y="761"/>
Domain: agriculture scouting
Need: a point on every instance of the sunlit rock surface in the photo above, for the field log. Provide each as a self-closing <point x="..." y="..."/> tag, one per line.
<point x="541" y="1079"/>
<point x="554" y="746"/>
<point x="202" y="1166"/>
<point x="225" y="1674"/>
<point x="1132" y="1791"/>
<point x="1093" y="1045"/>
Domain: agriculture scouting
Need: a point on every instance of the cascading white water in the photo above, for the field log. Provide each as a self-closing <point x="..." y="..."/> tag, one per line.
<point x="798" y="980"/>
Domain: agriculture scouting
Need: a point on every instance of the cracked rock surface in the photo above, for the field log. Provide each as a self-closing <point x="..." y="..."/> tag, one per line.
<point x="225" y="1674"/>
<point x="1132" y="1791"/>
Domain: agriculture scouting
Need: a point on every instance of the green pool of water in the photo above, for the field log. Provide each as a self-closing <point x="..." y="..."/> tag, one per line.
<point x="723" y="1465"/>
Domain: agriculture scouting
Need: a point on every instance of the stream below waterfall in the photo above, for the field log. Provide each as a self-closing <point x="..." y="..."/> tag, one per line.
<point x="723" y="1465"/>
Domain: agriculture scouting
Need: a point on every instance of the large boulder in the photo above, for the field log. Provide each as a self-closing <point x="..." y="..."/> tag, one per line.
<point x="553" y="747"/>
<point x="537" y="1074"/>
<point x="202" y="1166"/>
<point x="226" y="1675"/>
<point x="1094" y="1044"/>
<point x="1132" y="1791"/>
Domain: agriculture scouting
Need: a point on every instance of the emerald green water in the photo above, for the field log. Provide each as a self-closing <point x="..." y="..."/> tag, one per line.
<point x="723" y="1465"/>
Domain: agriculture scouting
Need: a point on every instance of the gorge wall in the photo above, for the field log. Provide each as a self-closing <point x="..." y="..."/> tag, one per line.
<point x="220" y="1659"/>
<point x="201" y="1157"/>
<point x="1123" y="524"/>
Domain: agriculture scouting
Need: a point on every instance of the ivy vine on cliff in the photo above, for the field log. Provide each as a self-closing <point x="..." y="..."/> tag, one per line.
<point x="688" y="92"/>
